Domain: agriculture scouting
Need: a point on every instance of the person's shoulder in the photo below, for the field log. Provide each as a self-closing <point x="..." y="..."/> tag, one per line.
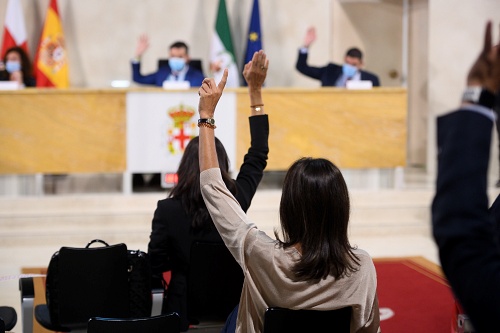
<point x="169" y="203"/>
<point x="334" y="65"/>
<point x="195" y="71"/>
<point x="371" y="74"/>
<point x="361" y="252"/>
<point x="30" y="81"/>
<point x="171" y="209"/>
<point x="363" y="256"/>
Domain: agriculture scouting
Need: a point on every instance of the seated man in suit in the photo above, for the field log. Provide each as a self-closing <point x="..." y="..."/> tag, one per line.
<point x="333" y="74"/>
<point x="178" y="68"/>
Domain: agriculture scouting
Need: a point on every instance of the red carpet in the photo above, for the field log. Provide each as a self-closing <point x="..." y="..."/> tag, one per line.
<point x="415" y="290"/>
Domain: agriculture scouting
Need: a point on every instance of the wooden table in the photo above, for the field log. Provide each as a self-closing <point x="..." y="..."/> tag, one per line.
<point x="84" y="130"/>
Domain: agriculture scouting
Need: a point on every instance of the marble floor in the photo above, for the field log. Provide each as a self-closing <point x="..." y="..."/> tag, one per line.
<point x="390" y="218"/>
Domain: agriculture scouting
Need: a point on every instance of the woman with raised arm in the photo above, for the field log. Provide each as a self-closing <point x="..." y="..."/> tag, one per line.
<point x="182" y="218"/>
<point x="313" y="267"/>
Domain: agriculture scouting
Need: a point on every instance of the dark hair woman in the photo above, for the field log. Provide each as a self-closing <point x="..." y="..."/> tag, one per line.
<point x="317" y="221"/>
<point x="18" y="66"/>
<point x="187" y="190"/>
<point x="183" y="218"/>
<point x="314" y="267"/>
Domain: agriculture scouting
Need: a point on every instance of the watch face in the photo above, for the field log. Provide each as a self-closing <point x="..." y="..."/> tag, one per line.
<point x="211" y="121"/>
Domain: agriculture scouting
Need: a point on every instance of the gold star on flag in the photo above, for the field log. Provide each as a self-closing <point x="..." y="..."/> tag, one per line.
<point x="253" y="36"/>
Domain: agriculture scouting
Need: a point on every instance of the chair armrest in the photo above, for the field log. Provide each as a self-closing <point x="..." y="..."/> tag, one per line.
<point x="27" y="290"/>
<point x="157" y="294"/>
<point x="158" y="286"/>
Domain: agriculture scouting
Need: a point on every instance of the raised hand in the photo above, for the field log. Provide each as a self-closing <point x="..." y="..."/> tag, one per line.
<point x="255" y="71"/>
<point x="310" y="36"/>
<point x="16" y="76"/>
<point x="210" y="93"/>
<point x="486" y="70"/>
<point x="142" y="45"/>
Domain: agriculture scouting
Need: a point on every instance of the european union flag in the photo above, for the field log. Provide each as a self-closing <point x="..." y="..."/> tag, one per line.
<point x="254" y="39"/>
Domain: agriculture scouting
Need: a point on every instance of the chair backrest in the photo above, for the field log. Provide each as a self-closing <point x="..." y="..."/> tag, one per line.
<point x="8" y="318"/>
<point x="167" y="323"/>
<point x="280" y="320"/>
<point x="215" y="281"/>
<point x="195" y="63"/>
<point x="88" y="282"/>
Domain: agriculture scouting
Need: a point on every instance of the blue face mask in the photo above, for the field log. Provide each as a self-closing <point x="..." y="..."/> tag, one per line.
<point x="176" y="64"/>
<point x="349" y="70"/>
<point x="13" y="66"/>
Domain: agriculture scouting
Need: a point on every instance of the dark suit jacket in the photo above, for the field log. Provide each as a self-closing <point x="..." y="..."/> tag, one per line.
<point x="171" y="236"/>
<point x="329" y="74"/>
<point x="194" y="76"/>
<point x="465" y="231"/>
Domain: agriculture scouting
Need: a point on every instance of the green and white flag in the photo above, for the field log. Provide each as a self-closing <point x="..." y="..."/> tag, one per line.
<point x="222" y="51"/>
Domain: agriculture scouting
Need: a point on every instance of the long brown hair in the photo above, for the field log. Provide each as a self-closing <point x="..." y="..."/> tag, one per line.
<point x="188" y="190"/>
<point x="314" y="212"/>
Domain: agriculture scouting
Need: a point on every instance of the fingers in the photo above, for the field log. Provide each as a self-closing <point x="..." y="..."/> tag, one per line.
<point x="498" y="47"/>
<point x="247" y="67"/>
<point x="259" y="60"/>
<point x="487" y="38"/>
<point x="223" y="81"/>
<point x="208" y="85"/>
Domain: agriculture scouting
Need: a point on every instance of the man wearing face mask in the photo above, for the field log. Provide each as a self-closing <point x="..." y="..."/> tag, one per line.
<point x="178" y="68"/>
<point x="333" y="74"/>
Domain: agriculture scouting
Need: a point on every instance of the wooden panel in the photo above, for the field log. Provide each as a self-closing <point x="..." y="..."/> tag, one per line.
<point x="62" y="131"/>
<point x="353" y="129"/>
<point x="83" y="131"/>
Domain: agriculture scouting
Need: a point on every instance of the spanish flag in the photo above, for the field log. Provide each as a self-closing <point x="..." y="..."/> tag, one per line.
<point x="51" y="64"/>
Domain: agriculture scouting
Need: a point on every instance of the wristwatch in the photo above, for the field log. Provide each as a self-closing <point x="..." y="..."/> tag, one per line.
<point x="207" y="122"/>
<point x="480" y="96"/>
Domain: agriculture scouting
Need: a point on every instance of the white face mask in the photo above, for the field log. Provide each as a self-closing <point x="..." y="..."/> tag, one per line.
<point x="349" y="70"/>
<point x="12" y="66"/>
<point x="176" y="64"/>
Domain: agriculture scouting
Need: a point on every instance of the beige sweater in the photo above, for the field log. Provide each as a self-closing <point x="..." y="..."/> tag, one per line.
<point x="267" y="268"/>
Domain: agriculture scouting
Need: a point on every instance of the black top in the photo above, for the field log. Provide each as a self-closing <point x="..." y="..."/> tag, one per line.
<point x="171" y="236"/>
<point x="28" y="81"/>
<point x="329" y="74"/>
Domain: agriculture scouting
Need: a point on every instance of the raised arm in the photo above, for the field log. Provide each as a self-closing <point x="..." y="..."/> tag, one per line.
<point x="255" y="160"/>
<point x="255" y="72"/>
<point x="210" y="93"/>
<point x="142" y="46"/>
<point x="301" y="65"/>
<point x="310" y="37"/>
<point x="463" y="227"/>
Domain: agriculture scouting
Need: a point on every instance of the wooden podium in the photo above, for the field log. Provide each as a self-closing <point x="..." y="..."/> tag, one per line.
<point x="84" y="130"/>
<point x="352" y="128"/>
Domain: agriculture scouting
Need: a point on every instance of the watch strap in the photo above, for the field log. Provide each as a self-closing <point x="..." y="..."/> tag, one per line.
<point x="207" y="122"/>
<point x="479" y="96"/>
